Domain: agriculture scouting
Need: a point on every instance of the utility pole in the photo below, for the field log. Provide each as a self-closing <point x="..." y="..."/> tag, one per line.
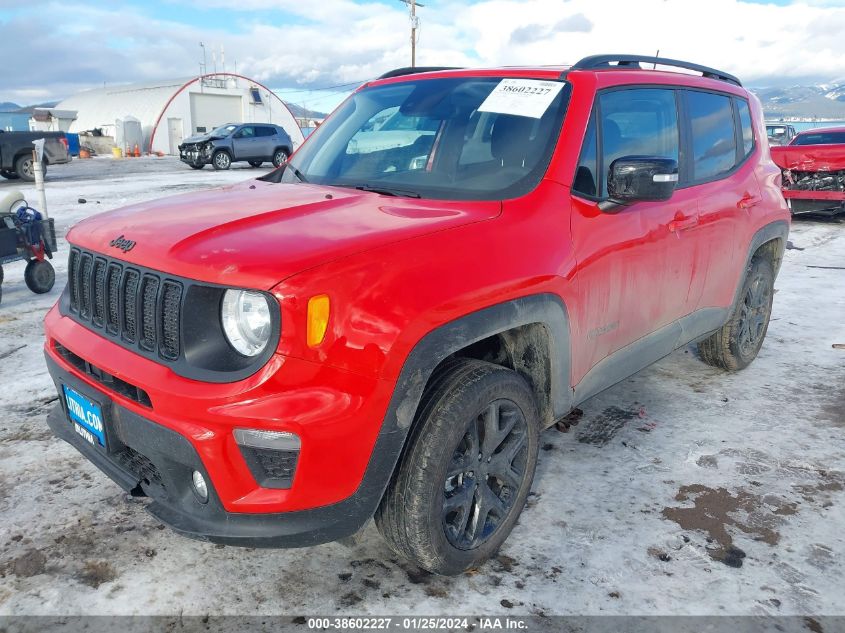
<point x="415" y="23"/>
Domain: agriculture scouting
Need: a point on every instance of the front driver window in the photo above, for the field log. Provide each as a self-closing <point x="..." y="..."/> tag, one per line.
<point x="637" y="122"/>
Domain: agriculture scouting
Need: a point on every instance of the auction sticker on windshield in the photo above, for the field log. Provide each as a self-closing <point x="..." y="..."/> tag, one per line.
<point x="522" y="97"/>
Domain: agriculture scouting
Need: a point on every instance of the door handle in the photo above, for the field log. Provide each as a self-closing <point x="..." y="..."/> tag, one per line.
<point x="748" y="200"/>
<point x="682" y="222"/>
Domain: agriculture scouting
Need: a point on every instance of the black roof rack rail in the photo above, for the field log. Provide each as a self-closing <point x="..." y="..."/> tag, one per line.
<point x="413" y="70"/>
<point x="595" y="62"/>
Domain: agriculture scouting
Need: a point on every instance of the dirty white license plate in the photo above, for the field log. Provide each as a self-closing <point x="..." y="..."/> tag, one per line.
<point x="86" y="417"/>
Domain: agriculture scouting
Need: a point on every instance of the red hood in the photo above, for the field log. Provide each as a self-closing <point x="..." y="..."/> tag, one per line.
<point x="256" y="234"/>
<point x="809" y="157"/>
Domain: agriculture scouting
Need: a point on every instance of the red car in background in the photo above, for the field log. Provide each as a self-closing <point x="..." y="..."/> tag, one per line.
<point x="813" y="167"/>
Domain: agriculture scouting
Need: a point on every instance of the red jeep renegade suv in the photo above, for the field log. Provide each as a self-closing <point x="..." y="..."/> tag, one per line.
<point x="384" y="325"/>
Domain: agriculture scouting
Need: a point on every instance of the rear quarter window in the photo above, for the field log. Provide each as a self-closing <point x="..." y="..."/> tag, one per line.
<point x="746" y="126"/>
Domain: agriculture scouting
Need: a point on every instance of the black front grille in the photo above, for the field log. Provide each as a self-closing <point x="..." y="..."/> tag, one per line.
<point x="142" y="309"/>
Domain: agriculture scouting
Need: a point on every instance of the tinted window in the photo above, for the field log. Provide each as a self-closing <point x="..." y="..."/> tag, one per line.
<point x="747" y="129"/>
<point x="638" y="122"/>
<point x="264" y="131"/>
<point x="245" y="132"/>
<point x="819" y="138"/>
<point x="713" y="137"/>
<point x="586" y="176"/>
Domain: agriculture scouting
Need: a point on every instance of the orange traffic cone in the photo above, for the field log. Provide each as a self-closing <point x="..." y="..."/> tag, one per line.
<point x="128" y="152"/>
<point x="137" y="151"/>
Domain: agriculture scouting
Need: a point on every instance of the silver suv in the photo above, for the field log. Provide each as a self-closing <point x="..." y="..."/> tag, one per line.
<point x="254" y="143"/>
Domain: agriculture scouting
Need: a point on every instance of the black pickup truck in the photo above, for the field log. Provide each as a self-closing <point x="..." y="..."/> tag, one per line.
<point x="16" y="153"/>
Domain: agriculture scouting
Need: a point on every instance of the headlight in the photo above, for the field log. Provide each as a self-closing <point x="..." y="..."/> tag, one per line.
<point x="246" y="321"/>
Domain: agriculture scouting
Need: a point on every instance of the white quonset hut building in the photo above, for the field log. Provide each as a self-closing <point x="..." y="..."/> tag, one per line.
<point x="169" y="111"/>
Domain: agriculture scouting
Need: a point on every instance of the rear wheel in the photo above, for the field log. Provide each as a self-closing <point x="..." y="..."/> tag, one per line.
<point x="464" y="479"/>
<point x="9" y="175"/>
<point x="737" y="343"/>
<point x="25" y="167"/>
<point x="221" y="159"/>
<point x="39" y="276"/>
<point x="256" y="163"/>
<point x="280" y="156"/>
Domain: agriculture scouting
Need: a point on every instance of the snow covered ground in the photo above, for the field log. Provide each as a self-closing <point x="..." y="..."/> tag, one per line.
<point x="683" y="490"/>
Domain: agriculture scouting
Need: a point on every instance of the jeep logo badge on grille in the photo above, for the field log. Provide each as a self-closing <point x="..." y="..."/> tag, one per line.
<point x="122" y="243"/>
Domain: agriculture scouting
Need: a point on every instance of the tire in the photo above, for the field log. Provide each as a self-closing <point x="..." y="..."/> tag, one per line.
<point x="39" y="276"/>
<point x="221" y="160"/>
<point x="427" y="513"/>
<point x="737" y="343"/>
<point x="200" y="166"/>
<point x="9" y="175"/>
<point x="256" y="163"/>
<point x="280" y="156"/>
<point x="24" y="168"/>
<point x="1" y="284"/>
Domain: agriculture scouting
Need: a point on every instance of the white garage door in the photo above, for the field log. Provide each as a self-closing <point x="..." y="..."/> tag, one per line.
<point x="209" y="111"/>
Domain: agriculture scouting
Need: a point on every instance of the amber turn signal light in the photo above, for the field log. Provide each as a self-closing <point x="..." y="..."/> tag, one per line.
<point x="318" y="319"/>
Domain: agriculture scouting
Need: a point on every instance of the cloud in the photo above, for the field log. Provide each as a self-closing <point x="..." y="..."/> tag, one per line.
<point x="578" y="23"/>
<point x="299" y="45"/>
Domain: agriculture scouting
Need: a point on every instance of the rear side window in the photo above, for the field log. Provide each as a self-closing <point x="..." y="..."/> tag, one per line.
<point x="745" y="123"/>
<point x="265" y="131"/>
<point x="637" y="122"/>
<point x="713" y="134"/>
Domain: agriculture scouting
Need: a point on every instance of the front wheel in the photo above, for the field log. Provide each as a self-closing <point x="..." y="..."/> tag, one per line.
<point x="221" y="160"/>
<point x="197" y="165"/>
<point x="464" y="479"/>
<point x="737" y="343"/>
<point x="39" y="276"/>
<point x="279" y="156"/>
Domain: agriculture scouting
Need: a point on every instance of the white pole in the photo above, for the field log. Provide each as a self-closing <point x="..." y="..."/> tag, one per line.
<point x="37" y="155"/>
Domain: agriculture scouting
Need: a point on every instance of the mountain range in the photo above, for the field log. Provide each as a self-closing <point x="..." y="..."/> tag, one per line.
<point x="825" y="101"/>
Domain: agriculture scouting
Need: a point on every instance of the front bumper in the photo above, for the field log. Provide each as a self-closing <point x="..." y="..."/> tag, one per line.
<point x="147" y="459"/>
<point x="178" y="425"/>
<point x="192" y="155"/>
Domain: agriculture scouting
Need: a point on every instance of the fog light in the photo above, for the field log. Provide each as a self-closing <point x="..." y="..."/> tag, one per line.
<point x="200" y="487"/>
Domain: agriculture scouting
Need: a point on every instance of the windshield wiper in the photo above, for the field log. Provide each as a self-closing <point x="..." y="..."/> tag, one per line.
<point x="296" y="172"/>
<point x="388" y="191"/>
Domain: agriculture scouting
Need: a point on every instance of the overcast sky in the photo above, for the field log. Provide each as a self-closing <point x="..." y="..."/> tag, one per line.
<point x="52" y="49"/>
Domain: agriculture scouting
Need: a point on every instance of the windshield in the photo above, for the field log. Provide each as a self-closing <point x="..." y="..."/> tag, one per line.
<point x="448" y="139"/>
<point x="820" y="138"/>
<point x="223" y="130"/>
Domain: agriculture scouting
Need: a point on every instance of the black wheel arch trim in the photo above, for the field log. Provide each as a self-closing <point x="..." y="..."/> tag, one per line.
<point x="778" y="230"/>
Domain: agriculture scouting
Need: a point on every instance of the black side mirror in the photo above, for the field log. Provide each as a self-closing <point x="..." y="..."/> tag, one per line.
<point x="641" y="178"/>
